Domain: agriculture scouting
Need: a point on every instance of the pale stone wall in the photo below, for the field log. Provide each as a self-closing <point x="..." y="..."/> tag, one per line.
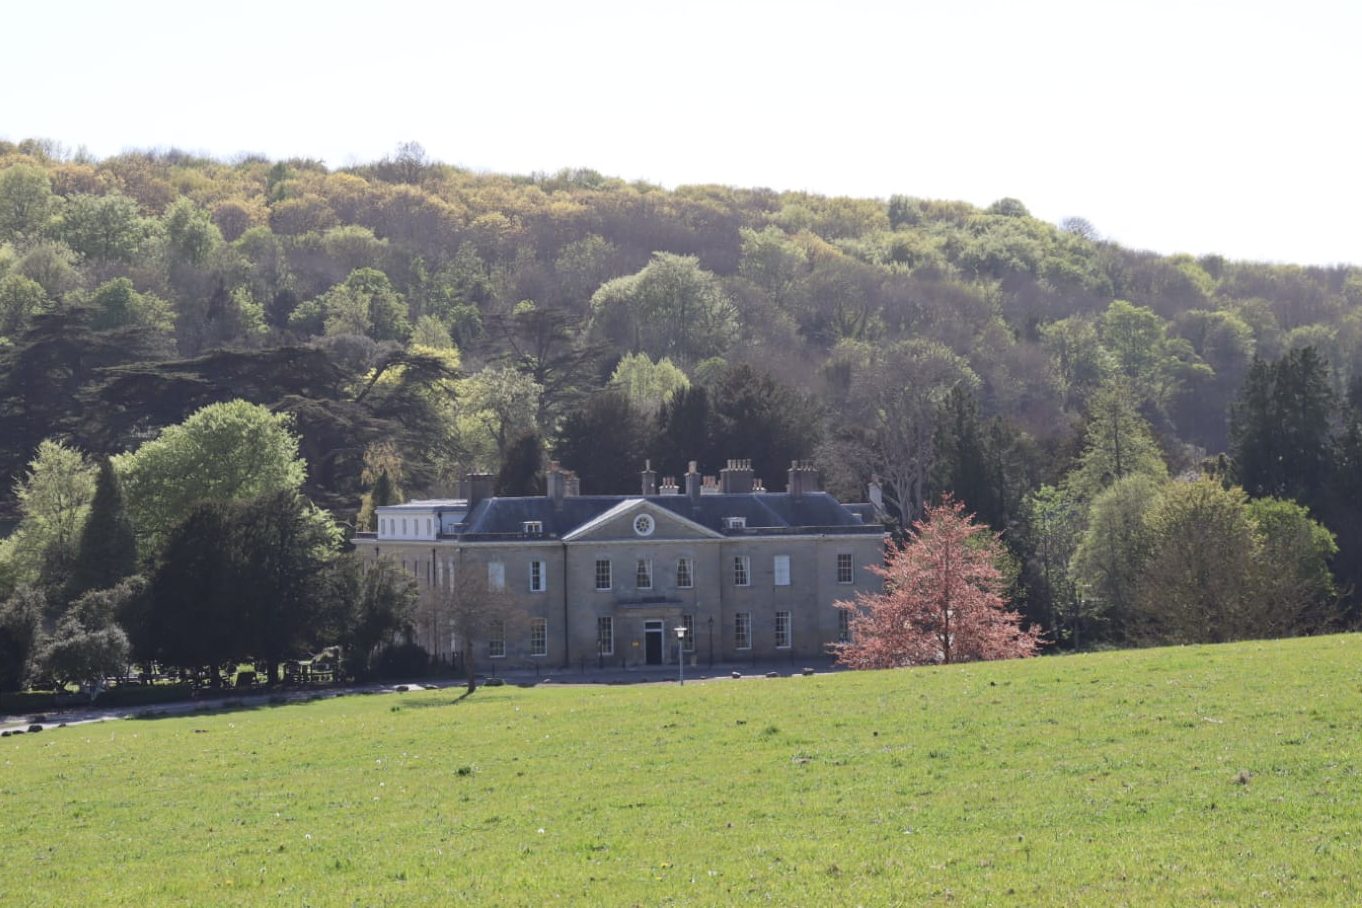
<point x="571" y="604"/>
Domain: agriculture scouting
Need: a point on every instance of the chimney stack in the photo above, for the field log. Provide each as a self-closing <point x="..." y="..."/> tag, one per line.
<point x="802" y="478"/>
<point x="669" y="486"/>
<point x="875" y="494"/>
<point x="478" y="486"/>
<point x="736" y="478"/>
<point x="555" y="483"/>
<point x="649" y="479"/>
<point x="573" y="487"/>
<point x="693" y="482"/>
<point x="709" y="485"/>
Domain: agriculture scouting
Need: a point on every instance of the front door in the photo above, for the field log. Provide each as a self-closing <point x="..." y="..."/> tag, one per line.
<point x="652" y="642"/>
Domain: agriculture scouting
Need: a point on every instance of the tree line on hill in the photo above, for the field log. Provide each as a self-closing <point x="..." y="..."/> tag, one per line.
<point x="415" y="321"/>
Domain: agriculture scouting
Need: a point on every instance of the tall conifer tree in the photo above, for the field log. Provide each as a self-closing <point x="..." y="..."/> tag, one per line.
<point x="108" y="547"/>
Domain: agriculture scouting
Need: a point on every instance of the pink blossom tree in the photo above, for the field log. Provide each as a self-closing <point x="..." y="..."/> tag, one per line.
<point x="943" y="600"/>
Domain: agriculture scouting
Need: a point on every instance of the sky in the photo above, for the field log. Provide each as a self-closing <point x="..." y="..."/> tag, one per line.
<point x="1200" y="127"/>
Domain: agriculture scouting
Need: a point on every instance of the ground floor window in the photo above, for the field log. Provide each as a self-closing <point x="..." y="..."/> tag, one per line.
<point x="742" y="630"/>
<point x="605" y="636"/>
<point x="688" y="641"/>
<point x="539" y="637"/>
<point x="843" y="626"/>
<point x="782" y="630"/>
<point x="496" y="640"/>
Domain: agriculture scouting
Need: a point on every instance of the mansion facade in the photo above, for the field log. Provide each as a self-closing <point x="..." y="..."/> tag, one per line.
<point x="606" y="580"/>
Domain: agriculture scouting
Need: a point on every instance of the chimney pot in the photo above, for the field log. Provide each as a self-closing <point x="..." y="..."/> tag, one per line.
<point x="736" y="478"/>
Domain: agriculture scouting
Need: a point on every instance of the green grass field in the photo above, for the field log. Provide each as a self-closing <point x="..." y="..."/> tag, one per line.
<point x="1091" y="780"/>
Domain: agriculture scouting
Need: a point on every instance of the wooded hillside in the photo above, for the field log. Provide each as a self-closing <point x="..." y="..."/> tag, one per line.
<point x="420" y="320"/>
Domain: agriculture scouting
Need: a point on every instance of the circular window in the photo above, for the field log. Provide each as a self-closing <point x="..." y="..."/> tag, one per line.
<point x="643" y="525"/>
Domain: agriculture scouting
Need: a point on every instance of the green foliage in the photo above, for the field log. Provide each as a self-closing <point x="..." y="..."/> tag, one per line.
<point x="431" y="332"/>
<point x="1294" y="568"/>
<point x="820" y="294"/>
<point x="759" y="419"/>
<point x="117" y="304"/>
<point x="904" y="211"/>
<point x="1079" y="361"/>
<point x="772" y="261"/>
<point x="891" y="414"/>
<point x="1197" y="585"/>
<point x="377" y="602"/>
<point x="224" y="452"/>
<point x="242" y="580"/>
<point x="1155" y="366"/>
<point x="681" y="433"/>
<point x="672" y="307"/>
<point x="365" y="304"/>
<point x="1117" y="443"/>
<point x="53" y="267"/>
<point x="1280" y="427"/>
<point x="1009" y="208"/>
<point x="26" y="202"/>
<point x="107" y="552"/>
<point x="54" y="499"/>
<point x="84" y="655"/>
<point x="103" y="227"/>
<point x="1051" y="528"/>
<point x="20" y="298"/>
<point x="604" y="442"/>
<point x="647" y="384"/>
<point x="191" y="235"/>
<point x="21" y="618"/>
<point x="499" y="406"/>
<point x="522" y="469"/>
<point x="969" y="463"/>
<point x="1114" y="550"/>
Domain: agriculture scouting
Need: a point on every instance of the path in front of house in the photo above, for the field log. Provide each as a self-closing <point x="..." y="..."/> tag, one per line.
<point x="660" y="674"/>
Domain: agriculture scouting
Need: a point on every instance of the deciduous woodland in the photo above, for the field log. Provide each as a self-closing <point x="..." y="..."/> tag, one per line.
<point x="1170" y="446"/>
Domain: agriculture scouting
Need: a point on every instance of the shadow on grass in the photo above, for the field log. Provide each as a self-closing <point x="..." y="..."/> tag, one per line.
<point x="482" y="696"/>
<point x="234" y="705"/>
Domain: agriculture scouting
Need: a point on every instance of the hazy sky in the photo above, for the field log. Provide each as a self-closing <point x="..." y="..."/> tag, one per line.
<point x="1229" y="127"/>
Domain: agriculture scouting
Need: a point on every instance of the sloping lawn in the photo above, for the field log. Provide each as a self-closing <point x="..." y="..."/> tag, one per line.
<point x="1211" y="774"/>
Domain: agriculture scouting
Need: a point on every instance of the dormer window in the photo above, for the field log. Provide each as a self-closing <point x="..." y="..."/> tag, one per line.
<point x="533" y="527"/>
<point x="735" y="523"/>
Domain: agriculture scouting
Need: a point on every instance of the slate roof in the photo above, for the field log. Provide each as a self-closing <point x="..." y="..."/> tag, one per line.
<point x="766" y="513"/>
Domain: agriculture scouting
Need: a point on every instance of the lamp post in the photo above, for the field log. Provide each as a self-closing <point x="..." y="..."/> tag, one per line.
<point x="681" y="653"/>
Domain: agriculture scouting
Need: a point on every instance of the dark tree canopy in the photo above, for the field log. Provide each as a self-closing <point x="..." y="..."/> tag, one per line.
<point x="522" y="472"/>
<point x="108" y="547"/>
<point x="1281" y="427"/>
<point x="604" y="442"/>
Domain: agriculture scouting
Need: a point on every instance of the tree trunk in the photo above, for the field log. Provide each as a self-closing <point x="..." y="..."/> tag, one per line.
<point x="469" y="667"/>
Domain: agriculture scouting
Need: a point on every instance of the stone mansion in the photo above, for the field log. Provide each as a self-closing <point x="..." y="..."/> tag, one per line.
<point x="606" y="579"/>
